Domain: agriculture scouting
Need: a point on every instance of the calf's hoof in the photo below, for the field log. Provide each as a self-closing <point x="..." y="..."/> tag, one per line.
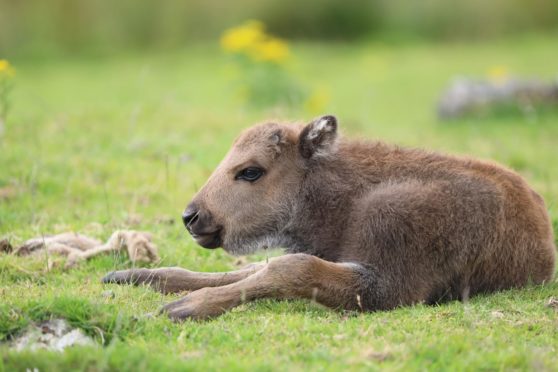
<point x="198" y="305"/>
<point x="134" y="276"/>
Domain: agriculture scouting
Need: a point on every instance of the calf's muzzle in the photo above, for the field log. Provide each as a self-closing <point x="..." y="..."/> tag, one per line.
<point x="201" y="225"/>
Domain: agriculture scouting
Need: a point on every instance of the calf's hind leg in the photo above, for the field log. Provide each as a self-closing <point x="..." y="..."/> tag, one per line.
<point x="175" y="279"/>
<point x="336" y="285"/>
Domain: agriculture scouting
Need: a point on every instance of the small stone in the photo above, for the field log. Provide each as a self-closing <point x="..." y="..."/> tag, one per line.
<point x="467" y="96"/>
<point x="108" y="294"/>
<point x="55" y="334"/>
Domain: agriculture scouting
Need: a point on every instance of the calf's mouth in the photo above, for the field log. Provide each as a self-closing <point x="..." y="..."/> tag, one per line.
<point x="210" y="240"/>
<point x="201" y="226"/>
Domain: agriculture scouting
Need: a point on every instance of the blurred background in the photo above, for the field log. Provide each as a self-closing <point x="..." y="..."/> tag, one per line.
<point x="38" y="28"/>
<point x="113" y="113"/>
<point x="111" y="109"/>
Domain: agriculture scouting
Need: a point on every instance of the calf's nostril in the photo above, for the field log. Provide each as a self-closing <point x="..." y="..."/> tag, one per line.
<point x="190" y="216"/>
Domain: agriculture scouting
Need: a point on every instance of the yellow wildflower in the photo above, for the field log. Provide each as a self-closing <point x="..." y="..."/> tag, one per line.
<point x="251" y="40"/>
<point x="271" y="50"/>
<point x="243" y="37"/>
<point x="498" y="74"/>
<point x="6" y="68"/>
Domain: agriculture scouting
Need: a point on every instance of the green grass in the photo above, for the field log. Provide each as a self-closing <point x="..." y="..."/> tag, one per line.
<point x="94" y="144"/>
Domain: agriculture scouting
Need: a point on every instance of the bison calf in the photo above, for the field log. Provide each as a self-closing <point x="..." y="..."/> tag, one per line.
<point x="367" y="226"/>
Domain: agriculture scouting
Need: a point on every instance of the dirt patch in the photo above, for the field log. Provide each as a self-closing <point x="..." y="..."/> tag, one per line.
<point x="55" y="334"/>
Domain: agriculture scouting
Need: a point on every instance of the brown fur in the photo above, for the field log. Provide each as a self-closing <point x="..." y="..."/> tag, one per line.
<point x="368" y="226"/>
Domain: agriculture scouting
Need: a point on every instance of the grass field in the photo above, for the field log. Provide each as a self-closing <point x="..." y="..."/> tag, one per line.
<point x="95" y="145"/>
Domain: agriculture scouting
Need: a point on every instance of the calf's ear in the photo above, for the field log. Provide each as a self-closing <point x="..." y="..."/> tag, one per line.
<point x="318" y="138"/>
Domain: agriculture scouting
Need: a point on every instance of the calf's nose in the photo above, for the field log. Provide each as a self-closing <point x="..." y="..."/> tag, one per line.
<point x="190" y="216"/>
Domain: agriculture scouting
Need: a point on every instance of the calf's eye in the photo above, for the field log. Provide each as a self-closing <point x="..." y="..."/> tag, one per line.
<point x="249" y="174"/>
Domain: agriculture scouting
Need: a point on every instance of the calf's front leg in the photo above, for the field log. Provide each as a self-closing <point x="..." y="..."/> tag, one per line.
<point x="336" y="285"/>
<point x="175" y="279"/>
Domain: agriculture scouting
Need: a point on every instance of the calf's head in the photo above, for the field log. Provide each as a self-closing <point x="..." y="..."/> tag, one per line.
<point x="249" y="199"/>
